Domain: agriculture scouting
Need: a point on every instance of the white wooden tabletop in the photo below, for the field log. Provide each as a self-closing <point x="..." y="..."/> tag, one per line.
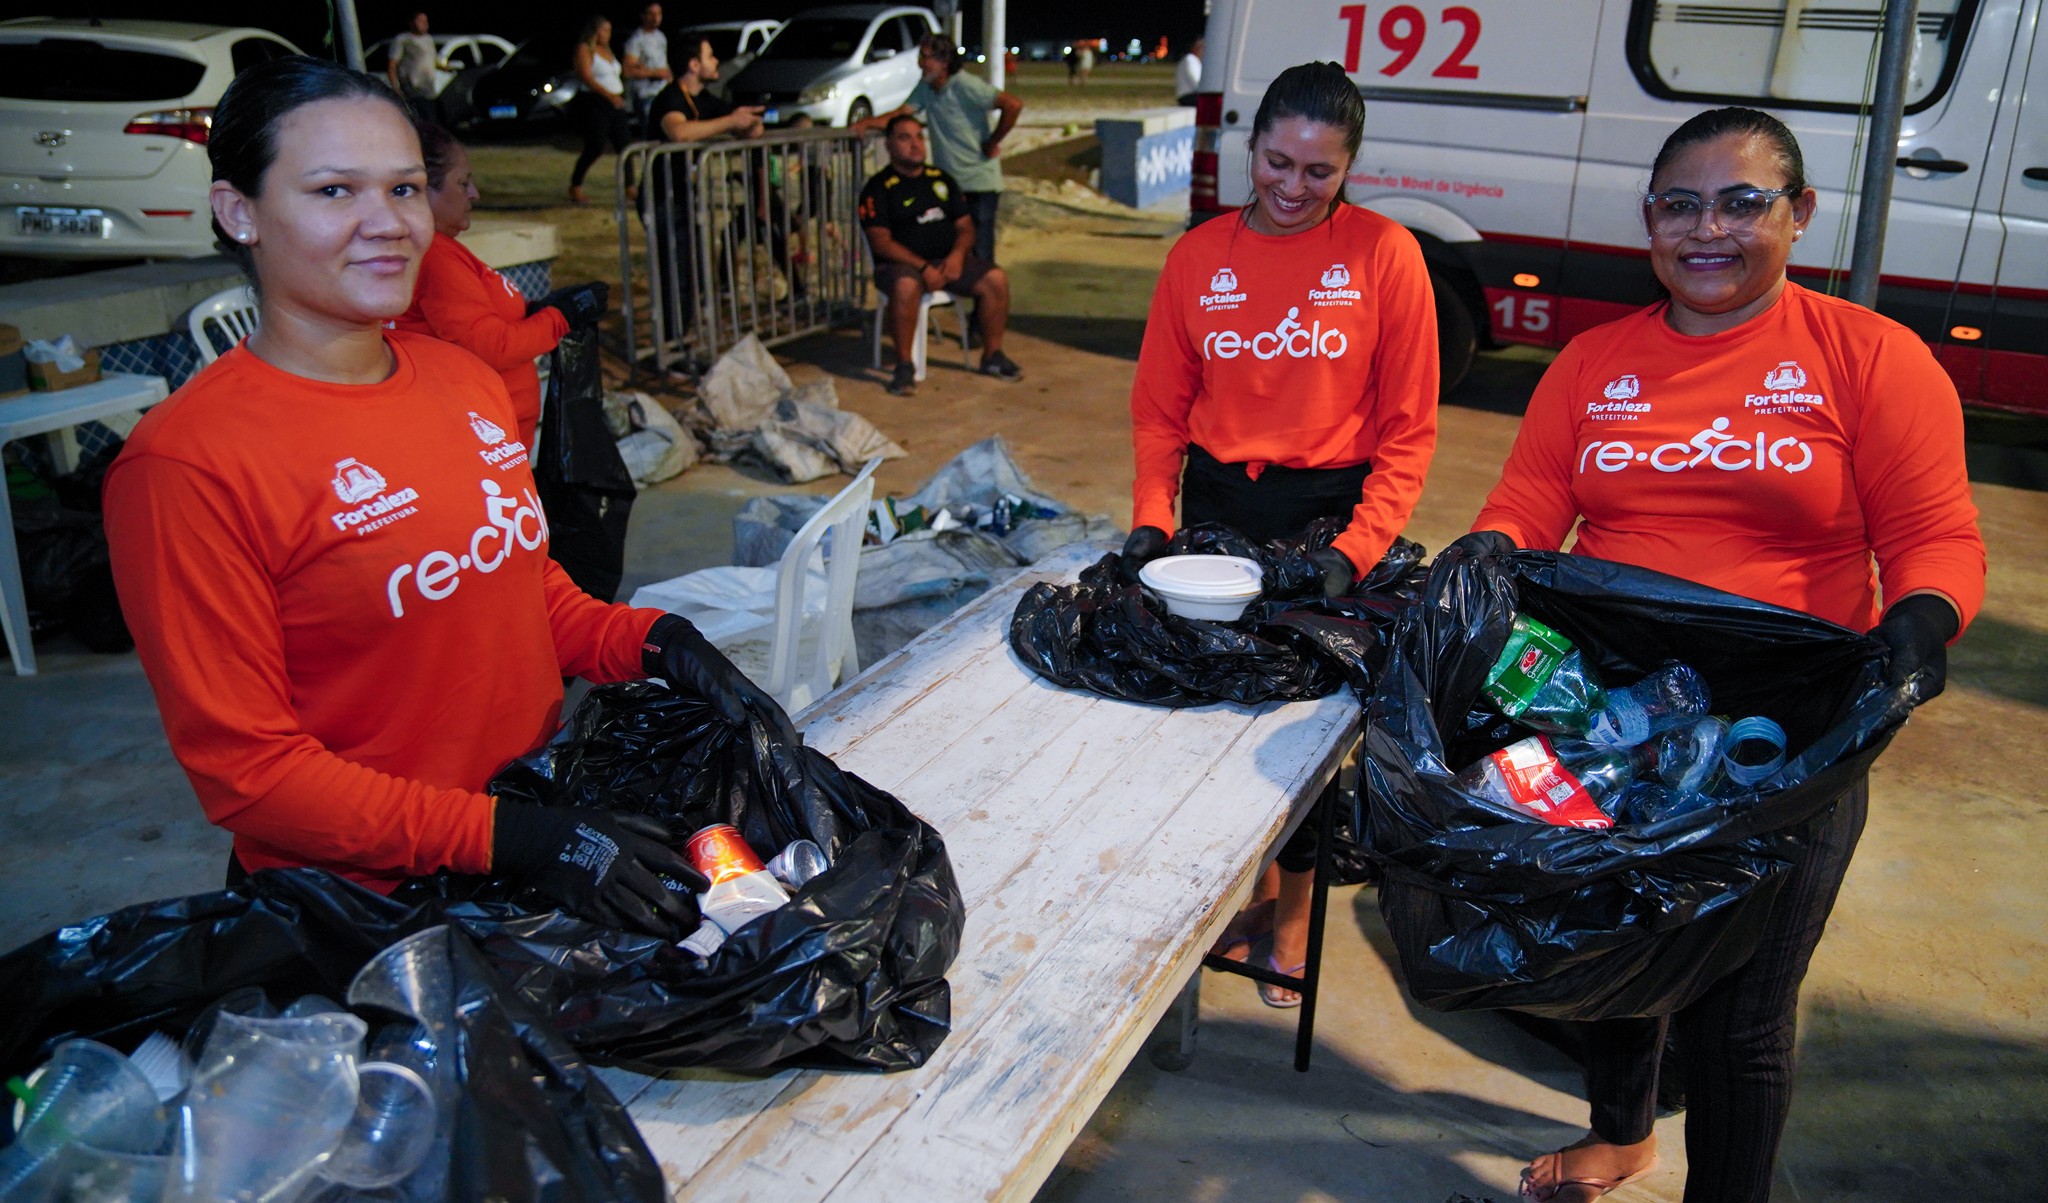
<point x="1100" y="846"/>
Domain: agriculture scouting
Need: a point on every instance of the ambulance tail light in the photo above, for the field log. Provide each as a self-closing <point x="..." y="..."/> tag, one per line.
<point x="1202" y="198"/>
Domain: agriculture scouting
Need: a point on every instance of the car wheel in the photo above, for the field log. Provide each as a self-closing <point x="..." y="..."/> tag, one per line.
<point x="859" y="110"/>
<point x="1457" y="335"/>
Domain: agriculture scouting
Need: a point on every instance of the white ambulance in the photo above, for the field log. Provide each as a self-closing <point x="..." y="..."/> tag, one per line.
<point x="1514" y="138"/>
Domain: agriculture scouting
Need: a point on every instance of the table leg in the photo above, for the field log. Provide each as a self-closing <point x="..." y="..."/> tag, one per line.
<point x="1177" y="1050"/>
<point x="1318" y="908"/>
<point x="13" y="601"/>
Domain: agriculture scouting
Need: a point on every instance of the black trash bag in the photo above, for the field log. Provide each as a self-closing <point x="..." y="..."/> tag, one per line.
<point x="585" y="487"/>
<point x="66" y="574"/>
<point x="1489" y="912"/>
<point x="850" y="974"/>
<point x="533" y="1123"/>
<point x="1110" y="635"/>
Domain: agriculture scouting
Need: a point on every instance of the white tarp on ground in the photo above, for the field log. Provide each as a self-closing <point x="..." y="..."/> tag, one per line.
<point x="654" y="445"/>
<point x="750" y="411"/>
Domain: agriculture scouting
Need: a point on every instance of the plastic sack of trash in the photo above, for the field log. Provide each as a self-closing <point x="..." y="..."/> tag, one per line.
<point x="527" y="1121"/>
<point x="1107" y="634"/>
<point x="584" y="485"/>
<point x="850" y="973"/>
<point x="1489" y="912"/>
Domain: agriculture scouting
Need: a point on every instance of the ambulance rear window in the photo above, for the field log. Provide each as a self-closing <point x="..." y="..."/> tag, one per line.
<point x="1788" y="54"/>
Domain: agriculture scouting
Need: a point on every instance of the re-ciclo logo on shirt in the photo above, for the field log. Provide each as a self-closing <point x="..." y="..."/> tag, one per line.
<point x="1715" y="446"/>
<point x="1289" y="338"/>
<point x="508" y="522"/>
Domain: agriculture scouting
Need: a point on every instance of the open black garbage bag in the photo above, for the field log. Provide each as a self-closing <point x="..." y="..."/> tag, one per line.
<point x="1108" y="634"/>
<point x="584" y="484"/>
<point x="1488" y="912"/>
<point x="848" y="975"/>
<point x="533" y="1123"/>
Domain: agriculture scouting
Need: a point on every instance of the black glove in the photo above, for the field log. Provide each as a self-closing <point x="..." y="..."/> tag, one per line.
<point x="599" y="865"/>
<point x="1917" y="630"/>
<point x="1338" y="571"/>
<point x="1146" y="544"/>
<point x="678" y="653"/>
<point x="583" y="304"/>
<point x="1483" y="543"/>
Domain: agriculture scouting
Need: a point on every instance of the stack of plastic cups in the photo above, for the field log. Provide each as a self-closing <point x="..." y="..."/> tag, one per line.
<point x="88" y="1096"/>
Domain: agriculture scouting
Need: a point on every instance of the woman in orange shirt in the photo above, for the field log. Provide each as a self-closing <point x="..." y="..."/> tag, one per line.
<point x="459" y="299"/>
<point x="330" y="552"/>
<point x="1289" y="373"/>
<point x="1777" y="443"/>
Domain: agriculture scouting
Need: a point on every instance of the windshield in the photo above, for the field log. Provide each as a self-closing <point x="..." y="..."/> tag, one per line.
<point x="825" y="38"/>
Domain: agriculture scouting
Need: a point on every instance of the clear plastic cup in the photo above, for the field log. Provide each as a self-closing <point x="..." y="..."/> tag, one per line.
<point x="89" y="1175"/>
<point x="269" y="1100"/>
<point x="392" y="1131"/>
<point x="87" y="1093"/>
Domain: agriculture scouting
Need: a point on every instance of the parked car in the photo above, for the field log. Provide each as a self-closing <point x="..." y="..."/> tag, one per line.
<point x="103" y="129"/>
<point x="838" y="65"/>
<point x="733" y="43"/>
<point x="527" y="89"/>
<point x="470" y="57"/>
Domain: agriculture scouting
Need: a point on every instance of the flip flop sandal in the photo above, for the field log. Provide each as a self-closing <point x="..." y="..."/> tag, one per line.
<point x="1600" y="1186"/>
<point x="1273" y="996"/>
<point x="1242" y="943"/>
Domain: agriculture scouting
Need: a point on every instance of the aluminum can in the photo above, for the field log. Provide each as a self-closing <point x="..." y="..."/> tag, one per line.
<point x="720" y="853"/>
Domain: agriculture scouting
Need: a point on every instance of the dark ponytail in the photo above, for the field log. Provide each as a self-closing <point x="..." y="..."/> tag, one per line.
<point x="1717" y="123"/>
<point x="1318" y="92"/>
<point x="243" y="142"/>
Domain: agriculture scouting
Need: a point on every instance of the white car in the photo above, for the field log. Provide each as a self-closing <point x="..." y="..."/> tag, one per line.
<point x="735" y="43"/>
<point x="837" y="65"/>
<point x="103" y="130"/>
<point x="461" y="51"/>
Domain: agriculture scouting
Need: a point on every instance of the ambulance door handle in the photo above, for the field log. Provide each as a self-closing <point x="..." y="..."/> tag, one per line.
<point x="1943" y="166"/>
<point x="2036" y="173"/>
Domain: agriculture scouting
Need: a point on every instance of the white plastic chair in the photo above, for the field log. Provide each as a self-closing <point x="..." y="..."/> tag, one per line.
<point x="925" y="320"/>
<point x="809" y="647"/>
<point x="231" y="311"/>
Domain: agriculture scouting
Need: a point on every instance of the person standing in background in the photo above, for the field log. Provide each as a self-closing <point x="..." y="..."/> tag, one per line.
<point x="1187" y="77"/>
<point x="646" y="66"/>
<point x="599" y="108"/>
<point x="411" y="64"/>
<point x="1084" y="57"/>
<point x="955" y="108"/>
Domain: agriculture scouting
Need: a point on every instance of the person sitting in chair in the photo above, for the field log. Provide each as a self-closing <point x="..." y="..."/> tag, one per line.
<point x="916" y="221"/>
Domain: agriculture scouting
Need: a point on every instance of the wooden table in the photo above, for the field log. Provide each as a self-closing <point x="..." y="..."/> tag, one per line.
<point x="42" y="413"/>
<point x="1101" y="846"/>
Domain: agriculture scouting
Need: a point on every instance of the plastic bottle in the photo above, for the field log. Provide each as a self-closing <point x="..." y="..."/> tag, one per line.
<point x="1705" y="763"/>
<point x="1568" y="784"/>
<point x="1673" y="696"/>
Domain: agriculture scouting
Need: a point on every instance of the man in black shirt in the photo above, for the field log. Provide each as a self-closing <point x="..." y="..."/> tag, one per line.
<point x="684" y="111"/>
<point x="916" y="221"/>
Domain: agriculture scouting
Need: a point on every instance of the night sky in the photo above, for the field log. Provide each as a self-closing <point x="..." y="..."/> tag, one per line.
<point x="305" y="21"/>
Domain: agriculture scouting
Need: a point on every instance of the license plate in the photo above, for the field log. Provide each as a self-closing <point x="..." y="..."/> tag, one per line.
<point x="45" y="220"/>
<point x="504" y="112"/>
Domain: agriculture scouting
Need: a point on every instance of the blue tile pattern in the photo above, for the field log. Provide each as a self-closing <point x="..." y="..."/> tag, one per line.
<point x="534" y="279"/>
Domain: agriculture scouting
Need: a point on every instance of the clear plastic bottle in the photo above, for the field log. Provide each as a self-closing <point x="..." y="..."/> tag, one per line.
<point x="1707" y="762"/>
<point x="1673" y="696"/>
<point x="1567" y="783"/>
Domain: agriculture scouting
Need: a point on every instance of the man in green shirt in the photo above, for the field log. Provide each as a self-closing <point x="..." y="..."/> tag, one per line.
<point x="965" y="142"/>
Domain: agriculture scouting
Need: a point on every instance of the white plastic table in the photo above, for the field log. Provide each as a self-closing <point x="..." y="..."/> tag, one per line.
<point x="41" y="413"/>
<point x="1100" y="846"/>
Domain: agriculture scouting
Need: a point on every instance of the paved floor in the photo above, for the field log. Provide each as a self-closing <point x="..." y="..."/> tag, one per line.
<point x="1924" y="1029"/>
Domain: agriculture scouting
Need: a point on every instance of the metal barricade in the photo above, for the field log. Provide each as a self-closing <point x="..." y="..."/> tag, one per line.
<point x="735" y="237"/>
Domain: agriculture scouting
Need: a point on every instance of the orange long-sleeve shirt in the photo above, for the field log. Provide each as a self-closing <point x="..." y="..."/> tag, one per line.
<point x="1309" y="350"/>
<point x="1797" y="459"/>
<point x="343" y="600"/>
<point x="459" y="299"/>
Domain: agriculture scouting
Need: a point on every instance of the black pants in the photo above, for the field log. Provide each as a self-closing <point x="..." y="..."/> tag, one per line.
<point x="1278" y="504"/>
<point x="1735" y="1043"/>
<point x="600" y="124"/>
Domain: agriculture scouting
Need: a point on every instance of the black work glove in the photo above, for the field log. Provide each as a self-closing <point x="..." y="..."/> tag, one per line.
<point x="1917" y="630"/>
<point x="678" y="653"/>
<point x="1338" y="571"/>
<point x="1146" y="544"/>
<point x="1483" y="543"/>
<point x="599" y="865"/>
<point x="583" y="304"/>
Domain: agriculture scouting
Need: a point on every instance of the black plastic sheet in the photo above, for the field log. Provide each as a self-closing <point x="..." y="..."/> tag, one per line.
<point x="584" y="485"/>
<point x="1110" y="635"/>
<point x="849" y="974"/>
<point x="533" y="1124"/>
<point x="1488" y="912"/>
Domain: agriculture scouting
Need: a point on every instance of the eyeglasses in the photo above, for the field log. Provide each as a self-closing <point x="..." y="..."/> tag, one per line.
<point x="1680" y="212"/>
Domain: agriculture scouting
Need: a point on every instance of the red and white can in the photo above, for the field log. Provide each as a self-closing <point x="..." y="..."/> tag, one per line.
<point x="720" y="853"/>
